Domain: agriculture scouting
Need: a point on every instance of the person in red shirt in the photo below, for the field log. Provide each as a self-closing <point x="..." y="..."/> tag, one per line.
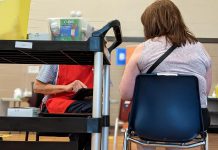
<point x="59" y="83"/>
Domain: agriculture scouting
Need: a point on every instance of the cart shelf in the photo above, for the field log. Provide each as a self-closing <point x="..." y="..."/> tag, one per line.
<point x="48" y="52"/>
<point x="90" y="52"/>
<point x="60" y="52"/>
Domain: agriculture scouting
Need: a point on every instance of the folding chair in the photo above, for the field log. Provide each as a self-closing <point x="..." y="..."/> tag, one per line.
<point x="166" y="112"/>
<point x="122" y="120"/>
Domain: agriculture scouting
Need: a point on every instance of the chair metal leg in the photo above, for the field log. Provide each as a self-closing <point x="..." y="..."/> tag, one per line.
<point x="206" y="144"/>
<point x="115" y="133"/>
<point x="125" y="141"/>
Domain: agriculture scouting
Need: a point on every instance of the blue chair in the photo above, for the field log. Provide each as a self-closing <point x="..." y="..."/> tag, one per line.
<point x="166" y="112"/>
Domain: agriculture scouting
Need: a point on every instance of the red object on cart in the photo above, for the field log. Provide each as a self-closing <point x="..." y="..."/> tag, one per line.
<point x="122" y="120"/>
<point x="125" y="108"/>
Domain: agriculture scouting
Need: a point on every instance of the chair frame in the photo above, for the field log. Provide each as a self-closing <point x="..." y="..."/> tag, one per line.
<point x="130" y="136"/>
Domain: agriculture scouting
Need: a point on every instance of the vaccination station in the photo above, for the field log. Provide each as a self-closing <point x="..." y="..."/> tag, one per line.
<point x="108" y="75"/>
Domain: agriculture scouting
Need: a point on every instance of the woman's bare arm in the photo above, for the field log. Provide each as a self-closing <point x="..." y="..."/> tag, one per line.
<point x="127" y="83"/>
<point x="209" y="79"/>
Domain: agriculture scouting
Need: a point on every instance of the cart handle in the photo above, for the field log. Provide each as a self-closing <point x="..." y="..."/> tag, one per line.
<point x="115" y="24"/>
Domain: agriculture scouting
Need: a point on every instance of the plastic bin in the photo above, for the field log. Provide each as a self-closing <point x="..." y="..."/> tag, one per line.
<point x="14" y="16"/>
<point x="69" y="29"/>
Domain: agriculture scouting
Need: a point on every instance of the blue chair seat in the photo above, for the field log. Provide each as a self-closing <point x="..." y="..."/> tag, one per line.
<point x="166" y="112"/>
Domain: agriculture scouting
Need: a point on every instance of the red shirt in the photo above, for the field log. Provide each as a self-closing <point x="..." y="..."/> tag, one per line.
<point x="58" y="103"/>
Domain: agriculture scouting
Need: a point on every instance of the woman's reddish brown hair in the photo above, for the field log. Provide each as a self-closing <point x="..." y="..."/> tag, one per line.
<point x="163" y="18"/>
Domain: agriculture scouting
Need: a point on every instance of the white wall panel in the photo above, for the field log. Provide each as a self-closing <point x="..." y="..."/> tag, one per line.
<point x="199" y="15"/>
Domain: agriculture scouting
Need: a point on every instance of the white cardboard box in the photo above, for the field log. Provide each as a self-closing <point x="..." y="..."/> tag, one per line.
<point x="23" y="112"/>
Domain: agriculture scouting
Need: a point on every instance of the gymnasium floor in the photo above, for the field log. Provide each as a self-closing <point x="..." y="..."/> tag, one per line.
<point x="213" y="140"/>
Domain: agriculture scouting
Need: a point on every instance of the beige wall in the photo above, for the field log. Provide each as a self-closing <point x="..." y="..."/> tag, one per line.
<point x="213" y="52"/>
<point x="14" y="76"/>
<point x="199" y="15"/>
<point x="117" y="71"/>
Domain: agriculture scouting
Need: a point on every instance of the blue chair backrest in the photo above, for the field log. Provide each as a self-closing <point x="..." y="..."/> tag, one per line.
<point x="166" y="108"/>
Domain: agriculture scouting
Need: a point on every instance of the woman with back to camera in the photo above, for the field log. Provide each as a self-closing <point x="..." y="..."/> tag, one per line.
<point x="164" y="27"/>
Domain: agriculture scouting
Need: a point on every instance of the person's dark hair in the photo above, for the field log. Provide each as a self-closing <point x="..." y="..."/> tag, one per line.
<point x="163" y="18"/>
